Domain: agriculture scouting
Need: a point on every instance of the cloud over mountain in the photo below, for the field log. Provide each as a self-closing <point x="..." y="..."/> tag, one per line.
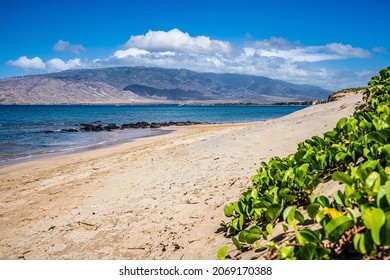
<point x="275" y="57"/>
<point x="27" y="63"/>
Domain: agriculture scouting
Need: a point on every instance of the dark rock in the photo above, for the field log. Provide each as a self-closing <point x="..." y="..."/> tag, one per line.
<point x="69" y="130"/>
<point x="111" y="126"/>
<point x="155" y="125"/>
<point x="91" y="127"/>
<point x="142" y="125"/>
<point x="48" y="131"/>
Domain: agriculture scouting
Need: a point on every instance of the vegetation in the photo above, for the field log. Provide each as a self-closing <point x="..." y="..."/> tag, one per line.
<point x="356" y="222"/>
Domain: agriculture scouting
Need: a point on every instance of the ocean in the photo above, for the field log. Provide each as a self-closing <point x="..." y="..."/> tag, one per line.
<point x="28" y="132"/>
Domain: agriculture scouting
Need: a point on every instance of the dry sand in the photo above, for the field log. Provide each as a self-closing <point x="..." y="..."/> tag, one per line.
<point x="155" y="198"/>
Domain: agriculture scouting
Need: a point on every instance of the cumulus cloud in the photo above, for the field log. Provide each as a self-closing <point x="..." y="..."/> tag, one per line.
<point x="51" y="65"/>
<point x="178" y="41"/>
<point x="130" y="52"/>
<point x="65" y="46"/>
<point x="275" y="57"/>
<point x="27" y="63"/>
<point x="57" y="64"/>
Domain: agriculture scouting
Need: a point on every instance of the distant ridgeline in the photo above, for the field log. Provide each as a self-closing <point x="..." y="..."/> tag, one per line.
<point x="120" y="85"/>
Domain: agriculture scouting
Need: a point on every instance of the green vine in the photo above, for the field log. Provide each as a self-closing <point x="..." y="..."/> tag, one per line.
<point x="356" y="222"/>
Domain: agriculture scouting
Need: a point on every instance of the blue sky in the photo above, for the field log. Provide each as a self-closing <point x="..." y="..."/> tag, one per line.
<point x="332" y="44"/>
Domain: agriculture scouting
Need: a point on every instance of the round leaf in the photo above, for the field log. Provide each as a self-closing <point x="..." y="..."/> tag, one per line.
<point x="336" y="228"/>
<point x="221" y="254"/>
<point x="228" y="209"/>
<point x="252" y="237"/>
<point x="242" y="236"/>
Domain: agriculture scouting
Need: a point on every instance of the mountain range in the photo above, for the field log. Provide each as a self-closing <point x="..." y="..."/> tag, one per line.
<point x="150" y="85"/>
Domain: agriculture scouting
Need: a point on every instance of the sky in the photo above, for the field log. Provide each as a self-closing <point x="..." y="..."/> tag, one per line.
<point x="334" y="44"/>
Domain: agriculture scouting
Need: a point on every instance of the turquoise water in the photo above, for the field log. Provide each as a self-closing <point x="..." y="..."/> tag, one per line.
<point x="22" y="127"/>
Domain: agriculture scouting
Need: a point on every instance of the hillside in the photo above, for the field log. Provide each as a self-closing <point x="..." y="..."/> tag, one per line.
<point x="142" y="84"/>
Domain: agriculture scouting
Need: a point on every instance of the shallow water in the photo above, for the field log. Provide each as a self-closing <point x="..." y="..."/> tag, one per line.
<point x="22" y="127"/>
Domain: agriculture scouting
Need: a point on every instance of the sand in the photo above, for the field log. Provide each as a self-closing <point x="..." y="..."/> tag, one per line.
<point x="154" y="198"/>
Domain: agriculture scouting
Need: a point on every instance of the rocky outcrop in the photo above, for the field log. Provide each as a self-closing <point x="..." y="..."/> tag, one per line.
<point x="98" y="126"/>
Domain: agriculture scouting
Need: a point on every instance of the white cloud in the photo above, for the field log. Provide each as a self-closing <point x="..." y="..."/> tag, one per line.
<point x="279" y="47"/>
<point x="130" y="52"/>
<point x="27" y="63"/>
<point x="51" y="65"/>
<point x="178" y="41"/>
<point x="276" y="57"/>
<point x="57" y="64"/>
<point x="347" y="51"/>
<point x="65" y="46"/>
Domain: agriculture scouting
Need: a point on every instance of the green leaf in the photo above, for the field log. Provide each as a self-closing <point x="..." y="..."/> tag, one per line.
<point x="289" y="214"/>
<point x="286" y="252"/>
<point x="237" y="243"/>
<point x="385" y="233"/>
<point x="269" y="228"/>
<point x="306" y="252"/>
<point x="241" y="207"/>
<point x="228" y="209"/>
<point x="388" y="192"/>
<point x="242" y="236"/>
<point x="273" y="212"/>
<point x="339" y="197"/>
<point x="221" y="254"/>
<point x="254" y="193"/>
<point x="261" y="203"/>
<point x="359" y="243"/>
<point x="285" y="228"/>
<point x="324" y="201"/>
<point x="237" y="223"/>
<point x="351" y="214"/>
<point x="336" y="228"/>
<point x="252" y="237"/>
<point x="381" y="199"/>
<point x="321" y="217"/>
<point x="241" y="222"/>
<point x="373" y="181"/>
<point x="255" y="230"/>
<point x="377" y="137"/>
<point x="308" y="235"/>
<point x="342" y="177"/>
<point x="299" y="217"/>
<point x="374" y="219"/>
<point x="312" y="209"/>
<point x="341" y="123"/>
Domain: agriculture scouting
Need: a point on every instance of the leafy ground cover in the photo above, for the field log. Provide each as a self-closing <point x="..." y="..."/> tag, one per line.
<point x="355" y="223"/>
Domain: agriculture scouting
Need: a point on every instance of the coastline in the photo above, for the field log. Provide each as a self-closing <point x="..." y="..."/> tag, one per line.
<point x="152" y="198"/>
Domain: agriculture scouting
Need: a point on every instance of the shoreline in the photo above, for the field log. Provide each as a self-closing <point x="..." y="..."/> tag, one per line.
<point x="154" y="198"/>
<point x="80" y="149"/>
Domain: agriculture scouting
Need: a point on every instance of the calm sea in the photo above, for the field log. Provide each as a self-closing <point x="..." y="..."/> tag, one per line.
<point x="22" y="127"/>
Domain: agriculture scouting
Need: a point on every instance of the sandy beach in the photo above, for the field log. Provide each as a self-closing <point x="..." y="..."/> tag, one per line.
<point x="154" y="198"/>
